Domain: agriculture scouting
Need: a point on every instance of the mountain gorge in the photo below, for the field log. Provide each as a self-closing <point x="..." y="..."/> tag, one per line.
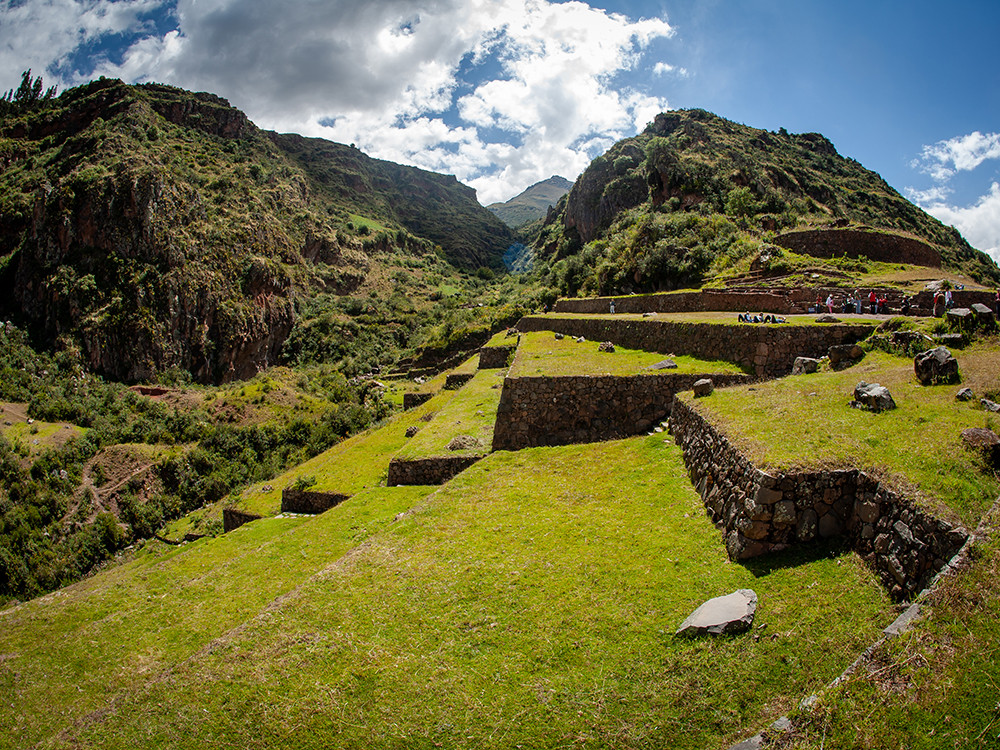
<point x="153" y="228"/>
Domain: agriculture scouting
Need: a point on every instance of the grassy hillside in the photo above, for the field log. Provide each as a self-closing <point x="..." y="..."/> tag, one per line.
<point x="532" y="600"/>
<point x="695" y="194"/>
<point x="164" y="223"/>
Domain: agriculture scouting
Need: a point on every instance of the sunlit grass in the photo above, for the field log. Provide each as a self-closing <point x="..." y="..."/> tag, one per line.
<point x="531" y="601"/>
<point x="804" y="422"/>
<point x="540" y="354"/>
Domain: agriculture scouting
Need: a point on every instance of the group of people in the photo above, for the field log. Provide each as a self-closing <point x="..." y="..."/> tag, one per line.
<point x="762" y="318"/>
<point x="854" y="303"/>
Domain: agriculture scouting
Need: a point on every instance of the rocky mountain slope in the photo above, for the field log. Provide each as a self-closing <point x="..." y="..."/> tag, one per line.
<point x="154" y="228"/>
<point x="533" y="203"/>
<point x="695" y="194"/>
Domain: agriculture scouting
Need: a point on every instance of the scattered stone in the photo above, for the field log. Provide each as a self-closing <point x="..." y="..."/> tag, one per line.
<point x="873" y="397"/>
<point x="606" y="346"/>
<point x="936" y="366"/>
<point x="965" y="394"/>
<point x="463" y="443"/>
<point x="579" y="339"/>
<point x="648" y="314"/>
<point x="961" y="318"/>
<point x="828" y="319"/>
<point x="985" y="442"/>
<point x="703" y="387"/>
<point x="663" y="364"/>
<point x="412" y="430"/>
<point x="955" y="340"/>
<point x="723" y="615"/>
<point x="804" y="365"/>
<point x="512" y="332"/>
<point x="990" y="405"/>
<point x="559" y="337"/>
<point x="846" y="353"/>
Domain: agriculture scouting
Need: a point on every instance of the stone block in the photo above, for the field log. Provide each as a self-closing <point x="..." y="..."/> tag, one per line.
<point x="784" y="513"/>
<point x="767" y="496"/>
<point x="830" y="526"/>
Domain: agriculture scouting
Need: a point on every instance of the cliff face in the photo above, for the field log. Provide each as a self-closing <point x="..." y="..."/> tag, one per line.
<point x="153" y="228"/>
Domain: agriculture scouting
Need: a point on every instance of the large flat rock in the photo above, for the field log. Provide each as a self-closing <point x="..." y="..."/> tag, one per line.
<point x="723" y="615"/>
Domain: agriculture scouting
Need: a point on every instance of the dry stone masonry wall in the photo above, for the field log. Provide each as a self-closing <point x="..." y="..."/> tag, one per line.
<point x="412" y="400"/>
<point x="426" y="471"/>
<point x="307" y="501"/>
<point x="761" y="513"/>
<point x="584" y="409"/>
<point x="769" y="351"/>
<point x="495" y="357"/>
<point x="233" y="519"/>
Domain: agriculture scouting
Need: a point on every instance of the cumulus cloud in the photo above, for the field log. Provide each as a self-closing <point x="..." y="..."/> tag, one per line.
<point x="44" y="35"/>
<point x="960" y="154"/>
<point x="978" y="223"/>
<point x="501" y="93"/>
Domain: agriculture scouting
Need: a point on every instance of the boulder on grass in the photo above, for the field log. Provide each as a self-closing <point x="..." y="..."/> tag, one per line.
<point x="703" y="387"/>
<point x="827" y="318"/>
<point x="965" y="394"/>
<point x="663" y="364"/>
<point x="804" y="365"/>
<point x="606" y="346"/>
<point x="845" y="354"/>
<point x="985" y="442"/>
<point x="936" y="366"/>
<point x="723" y="615"/>
<point x="873" y="397"/>
<point x="464" y="443"/>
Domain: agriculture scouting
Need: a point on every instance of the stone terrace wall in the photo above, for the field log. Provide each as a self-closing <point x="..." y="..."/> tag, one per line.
<point x="411" y="400"/>
<point x="708" y="300"/>
<point x="306" y="501"/>
<point x="233" y="519"/>
<point x="854" y="243"/>
<point x="761" y="513"/>
<point x="456" y="380"/>
<point x="435" y="470"/>
<point x="768" y="350"/>
<point x="495" y="357"/>
<point x="586" y="409"/>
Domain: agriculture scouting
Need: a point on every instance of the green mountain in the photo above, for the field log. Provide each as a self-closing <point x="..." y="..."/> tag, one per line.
<point x="153" y="228"/>
<point x="533" y="203"/>
<point x="694" y="195"/>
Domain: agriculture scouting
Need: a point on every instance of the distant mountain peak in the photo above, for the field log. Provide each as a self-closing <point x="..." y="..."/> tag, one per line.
<point x="533" y="203"/>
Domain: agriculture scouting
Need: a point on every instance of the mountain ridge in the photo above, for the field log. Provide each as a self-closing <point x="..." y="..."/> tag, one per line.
<point x="162" y="222"/>
<point x="532" y="203"/>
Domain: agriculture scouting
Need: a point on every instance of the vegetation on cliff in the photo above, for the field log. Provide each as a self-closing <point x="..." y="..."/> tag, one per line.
<point x="60" y="512"/>
<point x="157" y="228"/>
<point x="694" y="195"/>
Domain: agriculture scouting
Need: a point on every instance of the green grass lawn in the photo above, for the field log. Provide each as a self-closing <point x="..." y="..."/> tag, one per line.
<point x="502" y="339"/>
<point x="358" y="463"/>
<point x="472" y="412"/>
<point x="937" y="686"/>
<point x="804" y="422"/>
<point x="530" y="602"/>
<point x="72" y="652"/>
<point x="541" y="354"/>
<point x="38" y="436"/>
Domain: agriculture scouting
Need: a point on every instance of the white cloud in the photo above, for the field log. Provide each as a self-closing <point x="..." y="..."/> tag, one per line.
<point x="43" y="34"/>
<point x="978" y="223"/>
<point x="403" y="79"/>
<point x="960" y="154"/>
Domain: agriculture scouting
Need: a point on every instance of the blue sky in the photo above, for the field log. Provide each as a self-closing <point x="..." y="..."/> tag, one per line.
<point x="503" y="93"/>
